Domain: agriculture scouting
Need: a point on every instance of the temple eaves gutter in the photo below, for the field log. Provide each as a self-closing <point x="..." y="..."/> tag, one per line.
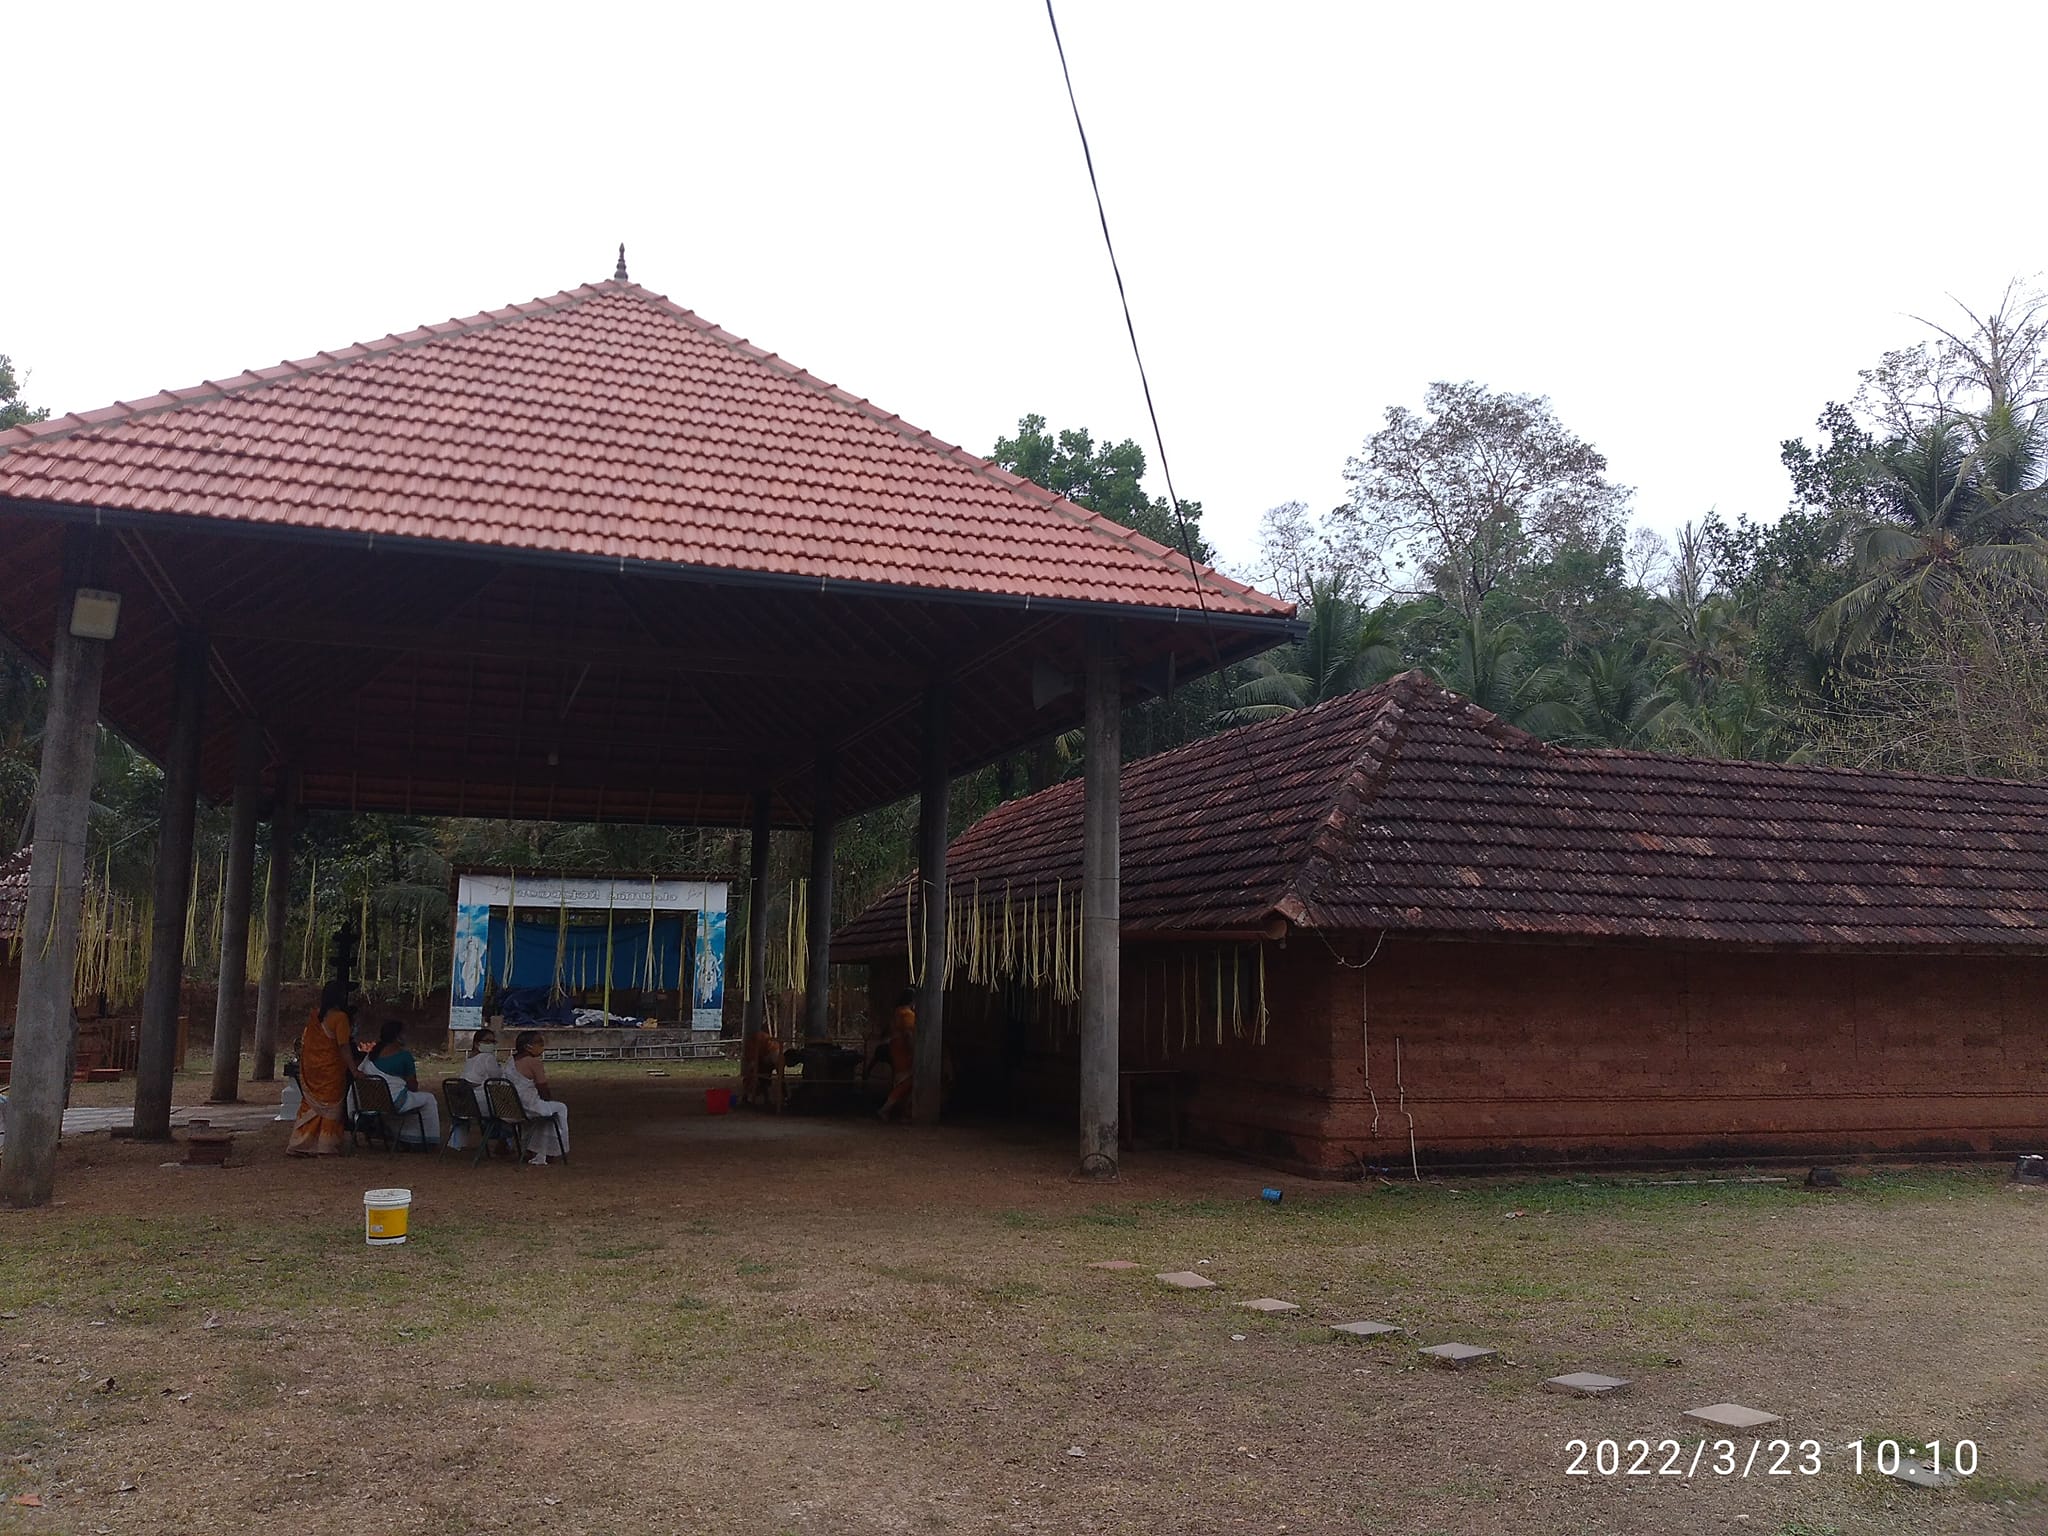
<point x="1270" y="629"/>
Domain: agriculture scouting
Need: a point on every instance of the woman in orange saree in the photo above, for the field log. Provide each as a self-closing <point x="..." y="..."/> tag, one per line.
<point x="326" y="1064"/>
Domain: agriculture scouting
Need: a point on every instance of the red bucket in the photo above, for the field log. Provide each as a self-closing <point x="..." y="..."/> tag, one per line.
<point x="717" y="1100"/>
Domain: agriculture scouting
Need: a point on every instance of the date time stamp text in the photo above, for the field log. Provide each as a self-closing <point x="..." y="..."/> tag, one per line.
<point x="1644" y="1457"/>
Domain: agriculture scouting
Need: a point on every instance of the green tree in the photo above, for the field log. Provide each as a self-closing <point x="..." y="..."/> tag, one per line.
<point x="1738" y="720"/>
<point x="1489" y="666"/>
<point x="1698" y="630"/>
<point x="1844" y="470"/>
<point x="15" y="411"/>
<point x="21" y="735"/>
<point x="1347" y="647"/>
<point x="1995" y="359"/>
<point x="21" y="689"/>
<point x="1476" y="487"/>
<point x="1618" y="697"/>
<point x="1775" y="577"/>
<point x="1578" y="598"/>
<point x="1106" y="478"/>
<point x="1965" y="499"/>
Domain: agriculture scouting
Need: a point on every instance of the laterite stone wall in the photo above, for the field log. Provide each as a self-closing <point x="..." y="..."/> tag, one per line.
<point x="1538" y="1052"/>
<point x="1559" y="1054"/>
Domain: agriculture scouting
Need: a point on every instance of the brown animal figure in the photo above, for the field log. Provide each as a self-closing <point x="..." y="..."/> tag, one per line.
<point x="762" y="1059"/>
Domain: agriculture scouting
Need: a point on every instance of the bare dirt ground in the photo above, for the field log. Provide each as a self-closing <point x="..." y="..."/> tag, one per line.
<point x="752" y="1324"/>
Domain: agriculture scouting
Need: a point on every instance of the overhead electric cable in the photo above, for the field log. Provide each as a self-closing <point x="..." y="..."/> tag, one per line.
<point x="1158" y="438"/>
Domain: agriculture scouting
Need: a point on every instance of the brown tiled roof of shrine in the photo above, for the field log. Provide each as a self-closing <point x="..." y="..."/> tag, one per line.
<point x="605" y="422"/>
<point x="1407" y="808"/>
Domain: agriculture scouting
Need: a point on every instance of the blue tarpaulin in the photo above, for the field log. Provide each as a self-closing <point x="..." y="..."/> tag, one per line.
<point x="533" y="954"/>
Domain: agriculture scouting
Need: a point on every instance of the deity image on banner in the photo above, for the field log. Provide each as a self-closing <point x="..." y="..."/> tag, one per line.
<point x="472" y="950"/>
<point x="708" y="985"/>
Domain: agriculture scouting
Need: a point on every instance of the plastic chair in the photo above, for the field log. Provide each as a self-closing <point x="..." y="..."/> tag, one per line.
<point x="511" y="1114"/>
<point x="379" y="1109"/>
<point x="361" y="1124"/>
<point x="459" y="1097"/>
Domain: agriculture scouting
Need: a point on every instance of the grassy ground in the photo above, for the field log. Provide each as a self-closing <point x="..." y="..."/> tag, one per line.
<point x="752" y="1324"/>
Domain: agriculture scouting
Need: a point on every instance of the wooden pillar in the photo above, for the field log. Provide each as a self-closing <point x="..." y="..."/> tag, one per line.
<point x="818" y="936"/>
<point x="1101" y="905"/>
<point x="757" y="917"/>
<point x="157" y="1048"/>
<point x="276" y="908"/>
<point x="928" y="1071"/>
<point x="45" y="1027"/>
<point x="232" y="1002"/>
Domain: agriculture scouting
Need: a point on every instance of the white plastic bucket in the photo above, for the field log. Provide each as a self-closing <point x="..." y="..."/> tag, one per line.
<point x="386" y="1214"/>
<point x="288" y="1104"/>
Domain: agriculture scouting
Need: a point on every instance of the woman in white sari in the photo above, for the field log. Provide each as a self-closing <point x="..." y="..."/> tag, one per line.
<point x="529" y="1077"/>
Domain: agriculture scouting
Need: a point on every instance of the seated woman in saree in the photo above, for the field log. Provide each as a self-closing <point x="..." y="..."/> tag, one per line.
<point x="529" y="1077"/>
<point x="327" y="1065"/>
<point x="419" y="1114"/>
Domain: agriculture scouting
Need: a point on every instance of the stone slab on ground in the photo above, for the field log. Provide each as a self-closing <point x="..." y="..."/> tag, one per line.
<point x="1114" y="1264"/>
<point x="1586" y="1384"/>
<point x="1455" y="1354"/>
<point x="1186" y="1280"/>
<point x="1920" y="1475"/>
<point x="1270" y="1304"/>
<point x="1732" y="1416"/>
<point x="1366" y="1330"/>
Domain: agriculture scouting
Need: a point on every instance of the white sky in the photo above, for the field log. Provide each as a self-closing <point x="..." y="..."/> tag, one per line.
<point x="1687" y="226"/>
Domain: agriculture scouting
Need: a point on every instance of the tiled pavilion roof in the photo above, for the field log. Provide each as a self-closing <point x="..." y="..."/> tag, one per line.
<point x="605" y="422"/>
<point x="1407" y="808"/>
<point x="587" y="558"/>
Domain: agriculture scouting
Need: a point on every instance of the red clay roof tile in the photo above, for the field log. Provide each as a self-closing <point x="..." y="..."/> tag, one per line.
<point x="1405" y="807"/>
<point x="603" y="421"/>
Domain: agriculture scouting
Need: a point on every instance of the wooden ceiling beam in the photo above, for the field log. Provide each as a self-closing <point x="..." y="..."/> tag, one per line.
<point x="460" y="642"/>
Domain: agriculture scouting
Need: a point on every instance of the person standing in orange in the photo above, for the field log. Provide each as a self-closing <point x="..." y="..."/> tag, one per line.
<point x="902" y="1052"/>
<point x="327" y="1065"/>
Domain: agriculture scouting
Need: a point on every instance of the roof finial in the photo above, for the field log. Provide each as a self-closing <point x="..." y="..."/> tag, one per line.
<point x="620" y="275"/>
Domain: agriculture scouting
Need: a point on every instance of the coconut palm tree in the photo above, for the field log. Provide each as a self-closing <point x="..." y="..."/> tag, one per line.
<point x="1619" y="700"/>
<point x="1736" y="721"/>
<point x="2010" y="453"/>
<point x="1705" y="647"/>
<point x="1699" y="631"/>
<point x="1490" y="667"/>
<point x="1969" y="502"/>
<point x="1347" y="647"/>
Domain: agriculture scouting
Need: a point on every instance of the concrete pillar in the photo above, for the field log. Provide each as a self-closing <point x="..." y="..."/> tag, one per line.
<point x="232" y="1000"/>
<point x="45" y="1027"/>
<point x="1101" y="905"/>
<point x="757" y="918"/>
<point x="157" y="1047"/>
<point x="928" y="1071"/>
<point x="818" y="936"/>
<point x="276" y="909"/>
